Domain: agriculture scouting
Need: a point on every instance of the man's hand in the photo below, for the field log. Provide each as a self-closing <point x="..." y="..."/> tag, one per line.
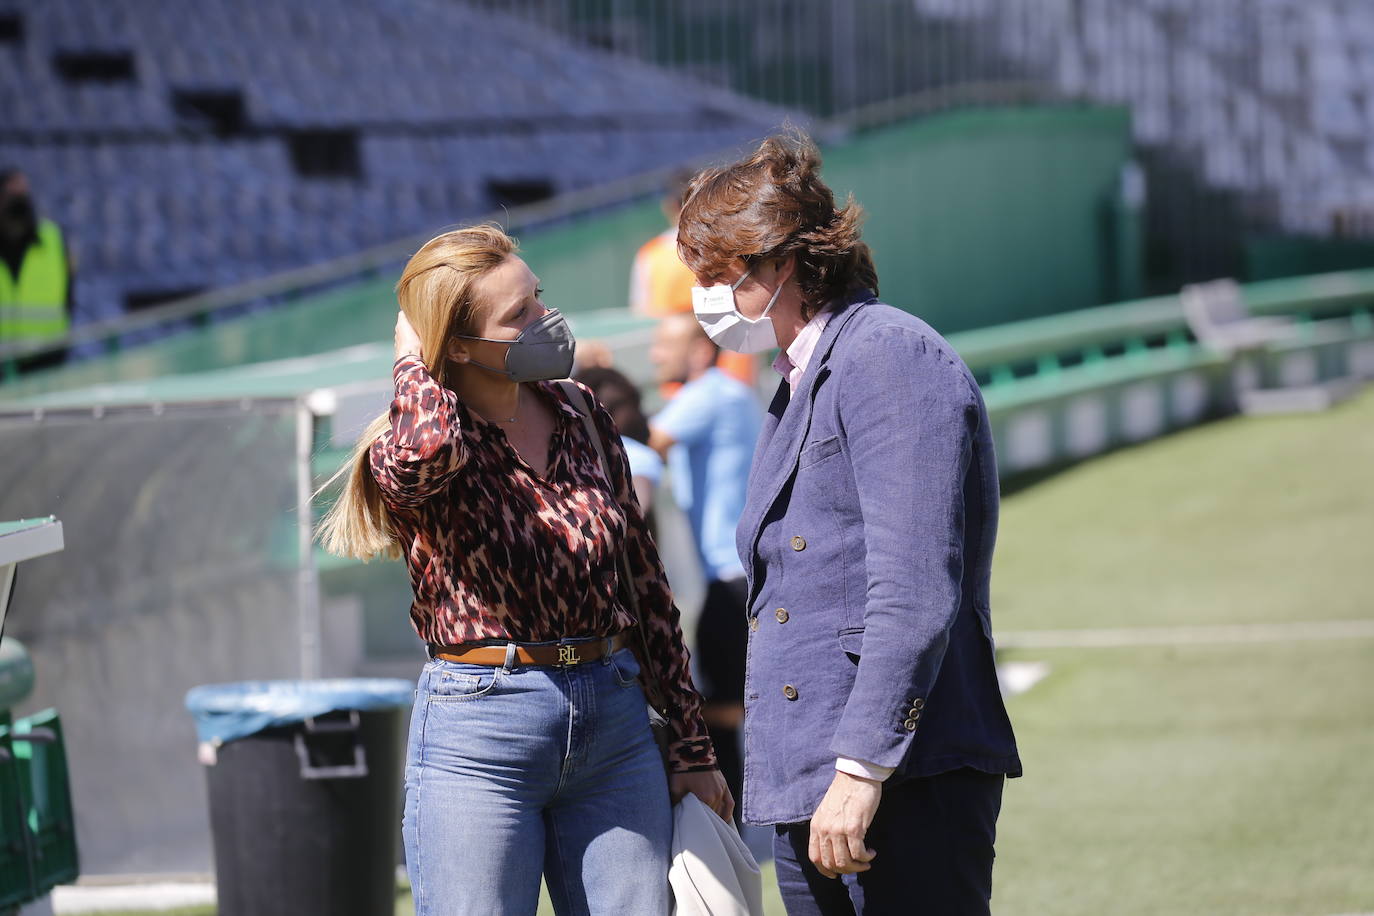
<point x="407" y="341"/>
<point x="707" y="785"/>
<point x="840" y="823"/>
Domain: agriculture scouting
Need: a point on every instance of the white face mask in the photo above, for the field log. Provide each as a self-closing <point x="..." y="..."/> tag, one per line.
<point x="716" y="313"/>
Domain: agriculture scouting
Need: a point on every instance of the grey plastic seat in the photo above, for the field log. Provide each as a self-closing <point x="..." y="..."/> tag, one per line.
<point x="1218" y="318"/>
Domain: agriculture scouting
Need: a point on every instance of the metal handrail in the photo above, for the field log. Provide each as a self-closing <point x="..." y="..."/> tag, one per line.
<point x="1084" y="330"/>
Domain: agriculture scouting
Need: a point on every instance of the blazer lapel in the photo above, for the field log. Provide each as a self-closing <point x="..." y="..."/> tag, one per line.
<point x="785" y="428"/>
<point x="776" y="409"/>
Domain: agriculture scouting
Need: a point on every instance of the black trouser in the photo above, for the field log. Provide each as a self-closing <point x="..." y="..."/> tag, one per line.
<point x="934" y="839"/>
<point x="722" y="644"/>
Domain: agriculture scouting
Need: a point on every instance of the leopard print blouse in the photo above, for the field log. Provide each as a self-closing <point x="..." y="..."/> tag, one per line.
<point x="496" y="552"/>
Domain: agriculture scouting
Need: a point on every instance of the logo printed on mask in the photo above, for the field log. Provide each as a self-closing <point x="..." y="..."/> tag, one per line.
<point x="720" y="318"/>
<point x="541" y="352"/>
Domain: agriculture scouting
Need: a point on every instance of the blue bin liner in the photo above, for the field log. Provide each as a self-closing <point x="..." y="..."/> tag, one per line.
<point x="224" y="712"/>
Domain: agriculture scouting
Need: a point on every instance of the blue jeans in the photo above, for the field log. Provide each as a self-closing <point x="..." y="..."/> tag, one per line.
<point x="513" y="771"/>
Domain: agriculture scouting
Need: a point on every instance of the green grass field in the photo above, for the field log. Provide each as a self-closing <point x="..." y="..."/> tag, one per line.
<point x="1210" y="778"/>
<point x="1228" y="778"/>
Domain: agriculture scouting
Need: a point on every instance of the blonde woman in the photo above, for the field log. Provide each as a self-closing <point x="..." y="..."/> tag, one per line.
<point x="530" y="749"/>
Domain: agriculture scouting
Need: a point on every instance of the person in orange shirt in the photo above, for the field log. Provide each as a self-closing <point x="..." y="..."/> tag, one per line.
<point x="660" y="284"/>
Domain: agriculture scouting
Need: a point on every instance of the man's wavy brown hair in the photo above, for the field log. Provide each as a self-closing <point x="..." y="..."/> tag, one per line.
<point x="773" y="204"/>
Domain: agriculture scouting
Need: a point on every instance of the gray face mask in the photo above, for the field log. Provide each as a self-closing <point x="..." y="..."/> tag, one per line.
<point x="542" y="351"/>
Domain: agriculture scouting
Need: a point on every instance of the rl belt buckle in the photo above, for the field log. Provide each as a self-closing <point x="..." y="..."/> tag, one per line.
<point x="567" y="655"/>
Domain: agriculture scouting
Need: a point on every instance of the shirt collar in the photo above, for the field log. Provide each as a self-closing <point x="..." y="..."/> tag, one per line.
<point x="791" y="364"/>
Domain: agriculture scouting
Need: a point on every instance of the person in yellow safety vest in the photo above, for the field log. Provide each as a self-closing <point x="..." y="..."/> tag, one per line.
<point x="35" y="271"/>
<point x="661" y="285"/>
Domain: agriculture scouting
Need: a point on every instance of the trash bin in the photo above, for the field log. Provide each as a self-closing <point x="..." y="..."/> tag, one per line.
<point x="304" y="781"/>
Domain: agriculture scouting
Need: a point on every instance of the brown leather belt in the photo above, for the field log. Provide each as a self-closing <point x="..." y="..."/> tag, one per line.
<point x="555" y="656"/>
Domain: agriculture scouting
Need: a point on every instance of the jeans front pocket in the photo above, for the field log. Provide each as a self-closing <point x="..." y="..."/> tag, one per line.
<point x="625" y="667"/>
<point x="455" y="681"/>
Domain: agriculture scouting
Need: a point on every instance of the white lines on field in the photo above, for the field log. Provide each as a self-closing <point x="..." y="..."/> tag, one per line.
<point x="112" y="899"/>
<point x="1018" y="677"/>
<point x="1187" y="635"/>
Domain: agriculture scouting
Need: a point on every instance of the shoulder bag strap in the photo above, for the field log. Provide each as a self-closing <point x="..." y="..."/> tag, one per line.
<point x="652" y="688"/>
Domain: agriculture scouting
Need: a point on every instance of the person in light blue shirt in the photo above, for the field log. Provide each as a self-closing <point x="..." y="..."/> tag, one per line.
<point x="645" y="465"/>
<point x="707" y="432"/>
<point x="621" y="399"/>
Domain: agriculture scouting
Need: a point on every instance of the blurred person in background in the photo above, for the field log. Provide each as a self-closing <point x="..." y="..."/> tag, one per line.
<point x="661" y="285"/>
<point x="707" y="432"/>
<point x="592" y="354"/>
<point x="876" y="739"/>
<point x="530" y="749"/>
<point x="622" y="401"/>
<point x="36" y="277"/>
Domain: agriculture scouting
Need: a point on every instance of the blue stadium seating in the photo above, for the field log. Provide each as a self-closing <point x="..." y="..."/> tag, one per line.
<point x="443" y="100"/>
<point x="1272" y="99"/>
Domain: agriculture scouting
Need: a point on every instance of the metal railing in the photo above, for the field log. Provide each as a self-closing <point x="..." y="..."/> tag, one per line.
<point x="1043" y="346"/>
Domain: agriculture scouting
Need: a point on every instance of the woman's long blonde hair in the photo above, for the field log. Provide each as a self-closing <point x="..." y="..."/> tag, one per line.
<point x="436" y="293"/>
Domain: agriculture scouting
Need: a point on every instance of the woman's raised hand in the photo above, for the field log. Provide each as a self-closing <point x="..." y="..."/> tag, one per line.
<point x="407" y="341"/>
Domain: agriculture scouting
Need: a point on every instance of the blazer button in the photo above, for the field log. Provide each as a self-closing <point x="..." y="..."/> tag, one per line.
<point x="754" y="624"/>
<point x="918" y="703"/>
<point x="798" y="542"/>
<point x="781" y="614"/>
<point x="789" y="691"/>
<point x="909" y="725"/>
<point x="914" y="712"/>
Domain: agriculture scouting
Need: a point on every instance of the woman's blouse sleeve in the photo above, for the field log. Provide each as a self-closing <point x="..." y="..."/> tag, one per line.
<point x="690" y="748"/>
<point x="422" y="450"/>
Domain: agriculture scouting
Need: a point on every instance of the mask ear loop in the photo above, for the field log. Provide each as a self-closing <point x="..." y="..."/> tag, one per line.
<point x="766" y="309"/>
<point x="769" y="307"/>
<point x="506" y="372"/>
<point x="552" y="314"/>
<point x="503" y="372"/>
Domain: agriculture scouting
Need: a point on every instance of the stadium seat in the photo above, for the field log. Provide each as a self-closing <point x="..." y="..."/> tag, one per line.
<point x="1218" y="318"/>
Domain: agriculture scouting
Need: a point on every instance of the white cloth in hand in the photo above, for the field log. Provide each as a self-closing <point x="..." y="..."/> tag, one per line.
<point x="712" y="872"/>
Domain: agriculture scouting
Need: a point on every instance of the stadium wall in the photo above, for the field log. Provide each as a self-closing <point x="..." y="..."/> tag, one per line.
<point x="976" y="218"/>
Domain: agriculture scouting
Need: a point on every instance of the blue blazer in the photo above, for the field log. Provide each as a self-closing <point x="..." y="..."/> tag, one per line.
<point x="867" y="539"/>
